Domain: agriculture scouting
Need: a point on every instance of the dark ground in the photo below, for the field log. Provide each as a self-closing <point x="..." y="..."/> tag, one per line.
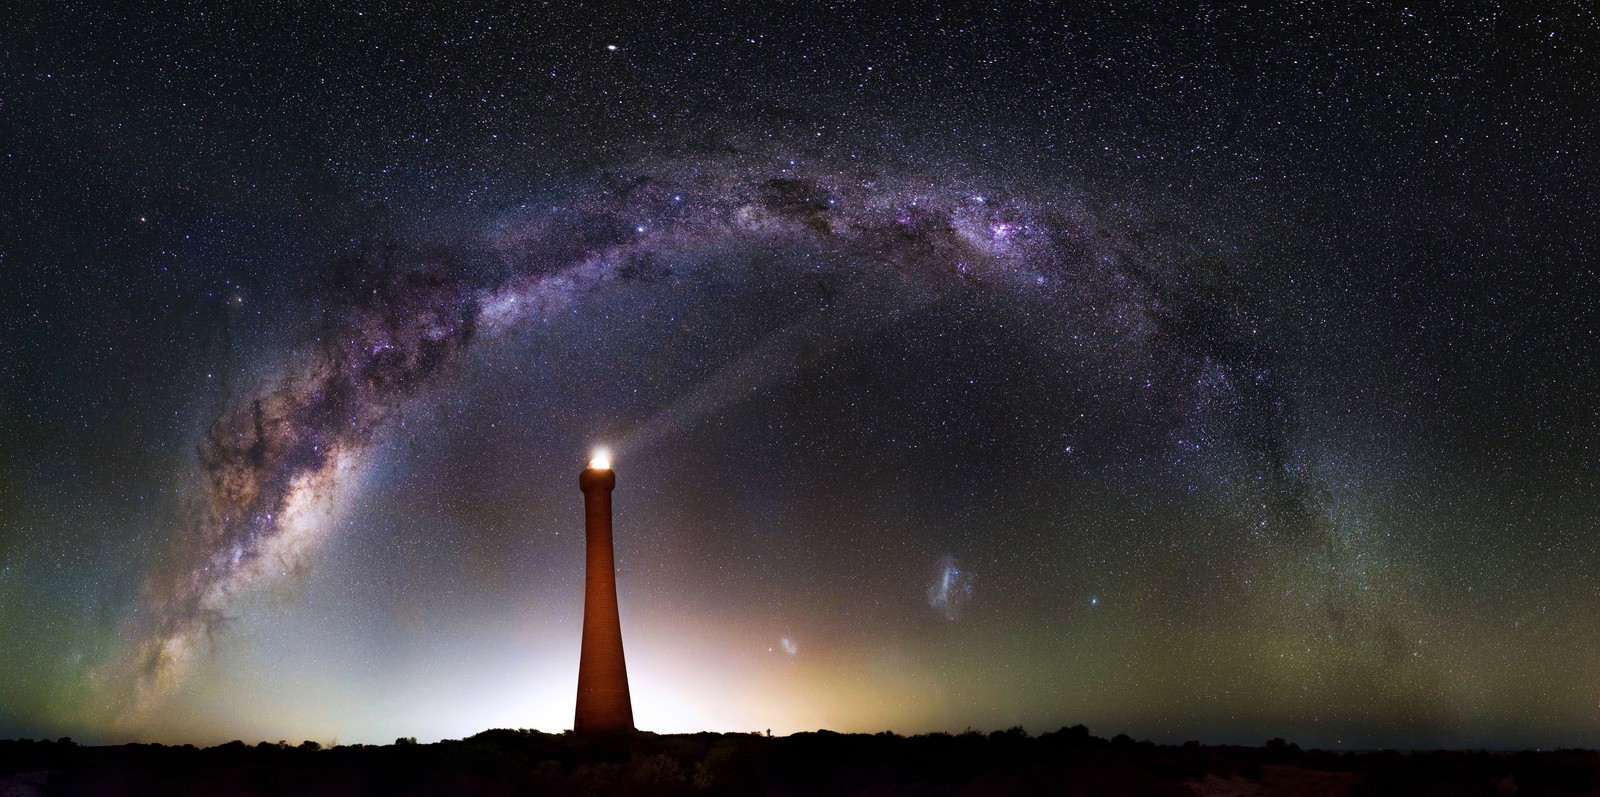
<point x="1068" y="761"/>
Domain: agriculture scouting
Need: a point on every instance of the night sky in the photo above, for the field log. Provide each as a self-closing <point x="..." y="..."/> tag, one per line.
<point x="1217" y="375"/>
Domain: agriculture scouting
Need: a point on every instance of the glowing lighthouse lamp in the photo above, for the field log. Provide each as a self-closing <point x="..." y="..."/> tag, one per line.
<point x="603" y="700"/>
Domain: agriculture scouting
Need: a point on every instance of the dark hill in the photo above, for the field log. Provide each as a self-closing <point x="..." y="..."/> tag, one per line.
<point x="496" y="762"/>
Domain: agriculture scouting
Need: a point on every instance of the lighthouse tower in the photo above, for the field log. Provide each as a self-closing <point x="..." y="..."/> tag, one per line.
<point x="603" y="700"/>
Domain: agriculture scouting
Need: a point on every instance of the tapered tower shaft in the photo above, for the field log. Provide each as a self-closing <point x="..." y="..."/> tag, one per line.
<point x="603" y="700"/>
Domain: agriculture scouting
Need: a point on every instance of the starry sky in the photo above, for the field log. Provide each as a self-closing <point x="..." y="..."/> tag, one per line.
<point x="1214" y="374"/>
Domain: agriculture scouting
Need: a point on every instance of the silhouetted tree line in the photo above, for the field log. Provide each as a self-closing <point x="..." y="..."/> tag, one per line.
<point x="522" y="762"/>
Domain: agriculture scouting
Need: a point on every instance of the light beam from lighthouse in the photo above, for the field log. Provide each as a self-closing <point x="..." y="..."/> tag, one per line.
<point x="603" y="700"/>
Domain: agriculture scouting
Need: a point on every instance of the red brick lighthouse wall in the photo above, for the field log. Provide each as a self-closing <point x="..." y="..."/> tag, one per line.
<point x="603" y="701"/>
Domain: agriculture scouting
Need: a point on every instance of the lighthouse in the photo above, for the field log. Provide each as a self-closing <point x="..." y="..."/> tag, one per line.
<point x="603" y="700"/>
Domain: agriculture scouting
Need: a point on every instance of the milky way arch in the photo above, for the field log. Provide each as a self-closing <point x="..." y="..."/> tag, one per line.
<point x="270" y="460"/>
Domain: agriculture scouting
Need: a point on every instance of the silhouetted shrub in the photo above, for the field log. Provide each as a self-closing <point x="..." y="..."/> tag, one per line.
<point x="515" y="762"/>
